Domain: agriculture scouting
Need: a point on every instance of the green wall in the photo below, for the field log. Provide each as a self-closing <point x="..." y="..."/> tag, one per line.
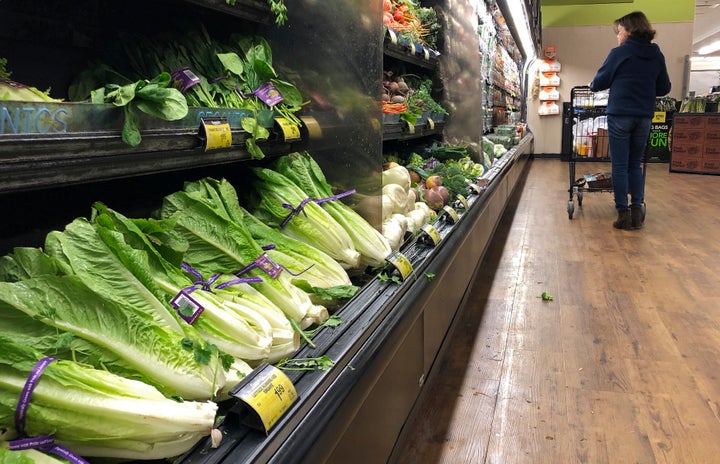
<point x="657" y="11"/>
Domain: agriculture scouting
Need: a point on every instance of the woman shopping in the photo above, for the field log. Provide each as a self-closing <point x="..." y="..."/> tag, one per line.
<point x="636" y="74"/>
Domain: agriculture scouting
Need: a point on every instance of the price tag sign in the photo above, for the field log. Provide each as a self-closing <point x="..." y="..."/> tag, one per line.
<point x="450" y="214"/>
<point x="429" y="235"/>
<point x="290" y="130"/>
<point x="216" y="133"/>
<point x="411" y="127"/>
<point x="312" y="126"/>
<point x="268" y="392"/>
<point x="461" y="202"/>
<point x="474" y="188"/>
<point x="401" y="263"/>
<point x="393" y="36"/>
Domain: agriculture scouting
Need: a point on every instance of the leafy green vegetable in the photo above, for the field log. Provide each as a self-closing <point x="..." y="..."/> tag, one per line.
<point x="30" y="456"/>
<point x="153" y="345"/>
<point x="304" y="171"/>
<point x="97" y="413"/>
<point x="312" y="225"/>
<point x="155" y="98"/>
<point x="14" y="91"/>
<point x="306" y="364"/>
<point x="237" y="327"/>
<point x="217" y="245"/>
<point x="332" y="321"/>
<point x="546" y="296"/>
<point x="302" y="260"/>
<point x="277" y="7"/>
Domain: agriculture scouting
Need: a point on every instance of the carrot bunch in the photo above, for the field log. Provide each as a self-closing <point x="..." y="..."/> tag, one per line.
<point x="400" y="15"/>
<point x="394" y="108"/>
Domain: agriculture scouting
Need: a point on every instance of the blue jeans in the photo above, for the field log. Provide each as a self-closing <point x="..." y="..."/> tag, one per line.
<point x="627" y="137"/>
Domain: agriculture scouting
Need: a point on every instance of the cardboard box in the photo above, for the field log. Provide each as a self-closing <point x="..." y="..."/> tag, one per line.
<point x="689" y="120"/>
<point x="601" y="148"/>
<point x="686" y="164"/>
<point x="711" y="165"/>
<point x="712" y="135"/>
<point x="713" y="121"/>
<point x="688" y="135"/>
<point x="686" y="150"/>
<point x="711" y="150"/>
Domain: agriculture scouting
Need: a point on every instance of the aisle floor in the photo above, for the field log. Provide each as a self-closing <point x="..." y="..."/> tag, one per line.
<point x="621" y="366"/>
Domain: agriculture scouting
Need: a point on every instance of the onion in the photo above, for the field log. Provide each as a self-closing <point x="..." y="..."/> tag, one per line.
<point x="433" y="199"/>
<point x="444" y="193"/>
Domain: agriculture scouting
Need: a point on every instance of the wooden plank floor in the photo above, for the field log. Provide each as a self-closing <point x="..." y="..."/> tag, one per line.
<point x="621" y="367"/>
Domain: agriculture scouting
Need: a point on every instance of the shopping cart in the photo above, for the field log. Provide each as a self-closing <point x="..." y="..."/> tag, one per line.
<point x="589" y="144"/>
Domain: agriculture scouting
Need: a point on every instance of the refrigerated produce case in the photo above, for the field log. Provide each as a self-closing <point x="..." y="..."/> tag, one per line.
<point x="392" y="329"/>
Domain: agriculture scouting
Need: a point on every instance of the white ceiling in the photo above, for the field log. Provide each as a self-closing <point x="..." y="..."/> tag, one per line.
<point x="707" y="24"/>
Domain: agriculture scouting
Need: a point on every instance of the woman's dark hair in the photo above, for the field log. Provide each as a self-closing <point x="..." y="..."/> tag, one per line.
<point x="637" y="26"/>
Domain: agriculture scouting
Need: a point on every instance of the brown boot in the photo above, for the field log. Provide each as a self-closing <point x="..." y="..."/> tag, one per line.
<point x="636" y="217"/>
<point x="623" y="221"/>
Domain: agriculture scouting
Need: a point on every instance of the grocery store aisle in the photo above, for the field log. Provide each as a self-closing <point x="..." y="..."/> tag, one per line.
<point x="620" y="367"/>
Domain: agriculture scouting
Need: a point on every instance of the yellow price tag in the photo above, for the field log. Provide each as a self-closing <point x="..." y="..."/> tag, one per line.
<point x="431" y="232"/>
<point x="659" y="117"/>
<point x="268" y="392"/>
<point x="217" y="133"/>
<point x="451" y="213"/>
<point x="313" y="127"/>
<point x="401" y="263"/>
<point x="411" y="127"/>
<point x="474" y="188"/>
<point x="462" y="201"/>
<point x="290" y="130"/>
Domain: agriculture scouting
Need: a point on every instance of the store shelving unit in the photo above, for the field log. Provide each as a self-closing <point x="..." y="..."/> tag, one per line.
<point x="391" y="332"/>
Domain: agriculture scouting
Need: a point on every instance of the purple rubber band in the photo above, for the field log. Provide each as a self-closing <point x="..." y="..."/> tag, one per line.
<point x="301" y="207"/>
<point x="44" y="442"/>
<point x="27" y="391"/>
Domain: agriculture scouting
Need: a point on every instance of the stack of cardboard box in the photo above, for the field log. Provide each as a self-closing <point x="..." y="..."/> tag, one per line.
<point x="696" y="143"/>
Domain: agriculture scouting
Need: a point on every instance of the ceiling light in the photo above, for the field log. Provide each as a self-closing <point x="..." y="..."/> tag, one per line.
<point x="713" y="47"/>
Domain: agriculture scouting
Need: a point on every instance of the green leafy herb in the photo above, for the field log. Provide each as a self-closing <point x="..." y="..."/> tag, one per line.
<point x="546" y="296"/>
<point x="385" y="278"/>
<point x="332" y="321"/>
<point x="306" y="364"/>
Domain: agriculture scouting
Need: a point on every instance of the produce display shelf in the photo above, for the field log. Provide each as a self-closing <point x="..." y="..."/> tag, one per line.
<point x="371" y="320"/>
<point x="56" y="144"/>
<point x="253" y="10"/>
<point x="401" y="130"/>
<point x="411" y="52"/>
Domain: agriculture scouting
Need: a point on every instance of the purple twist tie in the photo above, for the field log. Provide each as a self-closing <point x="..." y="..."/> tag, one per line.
<point x="301" y="207"/>
<point x="44" y="442"/>
<point x="200" y="283"/>
<point x="293" y="211"/>
<point x="27" y="391"/>
<point x="269" y="266"/>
